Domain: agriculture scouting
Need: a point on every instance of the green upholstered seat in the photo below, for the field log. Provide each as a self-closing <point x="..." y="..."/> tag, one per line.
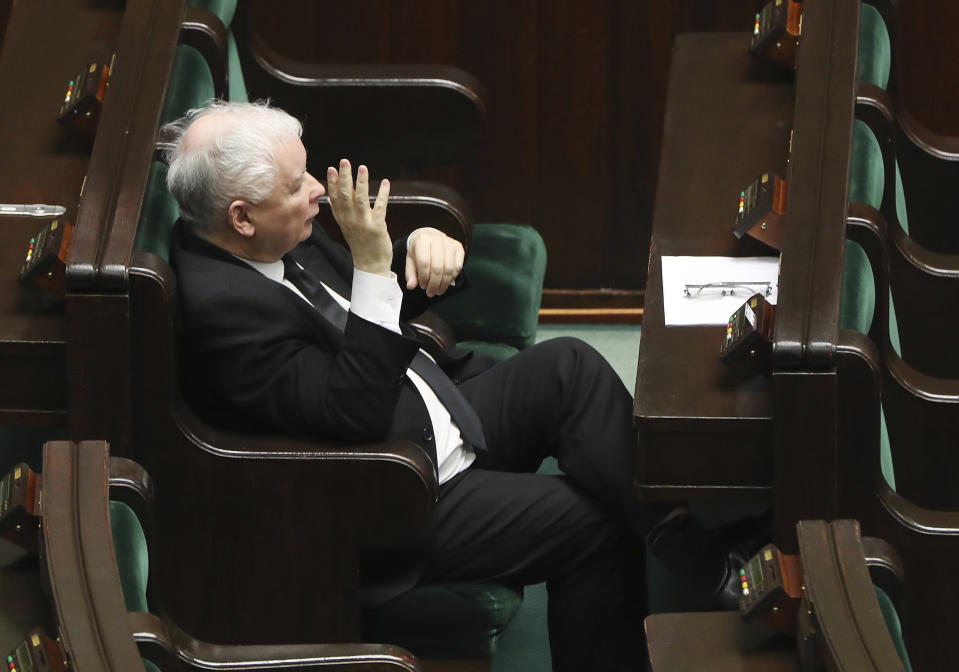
<point x="225" y="10"/>
<point x="873" y="67"/>
<point x="891" y="616"/>
<point x="506" y="265"/>
<point x="875" y="49"/>
<point x="159" y="212"/>
<point x="857" y="307"/>
<point x="191" y="84"/>
<point x="451" y="620"/>
<point x="133" y="561"/>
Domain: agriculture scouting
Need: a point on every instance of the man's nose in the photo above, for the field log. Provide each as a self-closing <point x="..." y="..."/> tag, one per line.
<point x="317" y="190"/>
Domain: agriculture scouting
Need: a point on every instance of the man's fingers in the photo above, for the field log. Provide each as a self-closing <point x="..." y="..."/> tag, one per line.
<point x="345" y="180"/>
<point x="362" y="185"/>
<point x="437" y="261"/>
<point x="382" y="196"/>
<point x="331" y="181"/>
<point x="411" y="278"/>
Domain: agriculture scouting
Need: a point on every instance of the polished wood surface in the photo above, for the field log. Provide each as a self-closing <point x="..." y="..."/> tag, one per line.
<point x="693" y="412"/>
<point x="57" y="39"/>
<point x="717" y="641"/>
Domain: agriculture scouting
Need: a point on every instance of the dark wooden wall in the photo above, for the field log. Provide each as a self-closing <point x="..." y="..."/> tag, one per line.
<point x="576" y="93"/>
<point x="931" y="57"/>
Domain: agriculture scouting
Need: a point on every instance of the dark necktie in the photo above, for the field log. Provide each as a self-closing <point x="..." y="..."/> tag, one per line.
<point x="459" y="408"/>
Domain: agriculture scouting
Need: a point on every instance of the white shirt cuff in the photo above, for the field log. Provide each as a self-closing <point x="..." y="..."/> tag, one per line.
<point x="377" y="299"/>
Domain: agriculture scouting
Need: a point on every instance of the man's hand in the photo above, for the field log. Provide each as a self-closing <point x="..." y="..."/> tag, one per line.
<point x="363" y="227"/>
<point x="433" y="261"/>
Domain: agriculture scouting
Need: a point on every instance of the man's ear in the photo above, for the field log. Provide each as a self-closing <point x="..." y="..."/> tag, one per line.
<point x="240" y="219"/>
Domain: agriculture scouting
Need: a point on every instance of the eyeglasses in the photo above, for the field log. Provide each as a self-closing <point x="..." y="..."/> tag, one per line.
<point x="720" y="289"/>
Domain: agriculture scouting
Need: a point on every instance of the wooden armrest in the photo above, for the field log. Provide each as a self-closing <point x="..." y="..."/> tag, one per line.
<point x="861" y="595"/>
<point x="886" y="568"/>
<point x="203" y="30"/>
<point x="440" y="109"/>
<point x="160" y="642"/>
<point x="260" y="538"/>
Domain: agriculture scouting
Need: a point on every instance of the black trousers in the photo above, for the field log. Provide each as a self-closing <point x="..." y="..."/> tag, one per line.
<point x="498" y="521"/>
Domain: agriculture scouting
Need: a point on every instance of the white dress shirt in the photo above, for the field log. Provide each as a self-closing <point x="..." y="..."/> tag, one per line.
<point x="378" y="299"/>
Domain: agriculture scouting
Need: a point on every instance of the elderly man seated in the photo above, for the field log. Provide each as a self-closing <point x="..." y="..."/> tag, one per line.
<point x="286" y="330"/>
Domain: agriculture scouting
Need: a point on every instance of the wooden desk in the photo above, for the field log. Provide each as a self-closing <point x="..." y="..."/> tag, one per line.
<point x="717" y="641"/>
<point x="46" y="363"/>
<point x="706" y="429"/>
<point x="45" y="45"/>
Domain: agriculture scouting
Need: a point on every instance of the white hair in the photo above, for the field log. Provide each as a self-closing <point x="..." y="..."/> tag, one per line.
<point x="236" y="160"/>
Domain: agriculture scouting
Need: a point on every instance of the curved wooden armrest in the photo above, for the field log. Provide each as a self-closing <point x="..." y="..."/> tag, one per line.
<point x="440" y="109"/>
<point x="260" y="538"/>
<point x="874" y="106"/>
<point x="928" y="262"/>
<point x="885" y="568"/>
<point x="203" y="30"/>
<point x="945" y="147"/>
<point x="175" y="649"/>
<point x="413" y="205"/>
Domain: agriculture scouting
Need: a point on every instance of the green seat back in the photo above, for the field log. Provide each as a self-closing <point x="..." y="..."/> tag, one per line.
<point x="506" y="265"/>
<point x="857" y="306"/>
<point x="857" y="303"/>
<point x="866" y="167"/>
<point x="225" y="10"/>
<point x="133" y="560"/>
<point x="455" y="620"/>
<point x="157" y="216"/>
<point x="191" y="84"/>
<point x="891" y="616"/>
<point x="875" y="49"/>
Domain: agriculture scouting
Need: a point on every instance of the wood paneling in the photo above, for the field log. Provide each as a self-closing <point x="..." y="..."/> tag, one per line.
<point x="575" y="93"/>
<point x="931" y="57"/>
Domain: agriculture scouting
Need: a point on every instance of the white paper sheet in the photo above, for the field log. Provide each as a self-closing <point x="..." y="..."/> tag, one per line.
<point x="709" y="305"/>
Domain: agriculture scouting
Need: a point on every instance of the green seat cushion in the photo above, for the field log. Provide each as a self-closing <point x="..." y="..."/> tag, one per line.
<point x="157" y="215"/>
<point x="191" y="84"/>
<point x="866" y="169"/>
<point x="452" y="620"/>
<point x="506" y="266"/>
<point x="498" y="351"/>
<point x="149" y="666"/>
<point x="891" y="616"/>
<point x="857" y="301"/>
<point x="875" y="50"/>
<point x="133" y="561"/>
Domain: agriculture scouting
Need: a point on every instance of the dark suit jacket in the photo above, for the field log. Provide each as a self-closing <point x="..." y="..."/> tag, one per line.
<point x="256" y="357"/>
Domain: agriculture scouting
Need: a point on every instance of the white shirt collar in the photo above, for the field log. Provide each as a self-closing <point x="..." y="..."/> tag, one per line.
<point x="272" y="269"/>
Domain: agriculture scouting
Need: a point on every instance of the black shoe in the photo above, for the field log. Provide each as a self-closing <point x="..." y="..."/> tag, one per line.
<point x="729" y="590"/>
<point x="707" y="561"/>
